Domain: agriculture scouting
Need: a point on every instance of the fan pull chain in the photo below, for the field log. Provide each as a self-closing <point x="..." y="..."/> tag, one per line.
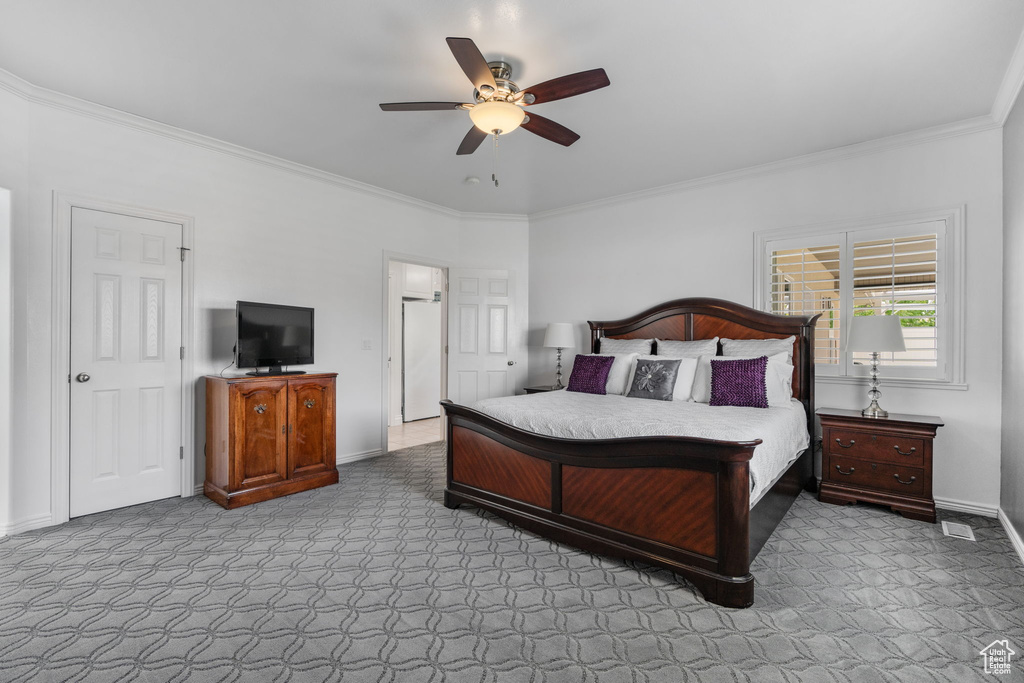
<point x="494" y="161"/>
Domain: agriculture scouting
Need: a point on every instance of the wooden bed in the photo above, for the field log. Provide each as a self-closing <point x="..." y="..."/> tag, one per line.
<point x="675" y="502"/>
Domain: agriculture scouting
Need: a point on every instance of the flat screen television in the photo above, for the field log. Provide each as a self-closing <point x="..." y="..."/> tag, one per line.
<point x="272" y="336"/>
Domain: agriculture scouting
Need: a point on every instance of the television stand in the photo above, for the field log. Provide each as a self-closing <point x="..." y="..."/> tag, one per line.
<point x="274" y="370"/>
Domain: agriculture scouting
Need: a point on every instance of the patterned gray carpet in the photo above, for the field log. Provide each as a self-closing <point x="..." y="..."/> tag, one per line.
<point x="374" y="580"/>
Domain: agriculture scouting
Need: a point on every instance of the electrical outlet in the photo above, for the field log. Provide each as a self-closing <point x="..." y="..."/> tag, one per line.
<point x="367" y="345"/>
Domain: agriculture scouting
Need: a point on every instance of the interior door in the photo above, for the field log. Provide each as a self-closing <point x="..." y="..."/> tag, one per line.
<point x="486" y="340"/>
<point x="421" y="360"/>
<point x="125" y="363"/>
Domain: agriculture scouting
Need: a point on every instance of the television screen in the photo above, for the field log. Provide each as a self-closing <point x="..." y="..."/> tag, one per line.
<point x="272" y="335"/>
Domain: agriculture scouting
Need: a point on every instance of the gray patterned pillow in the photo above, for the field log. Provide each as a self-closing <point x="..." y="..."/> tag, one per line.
<point x="654" y="378"/>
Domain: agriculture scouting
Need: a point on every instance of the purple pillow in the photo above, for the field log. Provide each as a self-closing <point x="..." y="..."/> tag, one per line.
<point x="589" y="374"/>
<point x="739" y="382"/>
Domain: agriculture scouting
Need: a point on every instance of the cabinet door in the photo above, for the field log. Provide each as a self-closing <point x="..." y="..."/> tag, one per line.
<point x="259" y="413"/>
<point x="311" y="426"/>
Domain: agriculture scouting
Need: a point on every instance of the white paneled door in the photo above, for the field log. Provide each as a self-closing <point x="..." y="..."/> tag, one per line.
<point x="125" y="363"/>
<point x="486" y="342"/>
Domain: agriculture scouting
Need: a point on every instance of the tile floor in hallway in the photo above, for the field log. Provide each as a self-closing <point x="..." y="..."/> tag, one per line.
<point x="414" y="433"/>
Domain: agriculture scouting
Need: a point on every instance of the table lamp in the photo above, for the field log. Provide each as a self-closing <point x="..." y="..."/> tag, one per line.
<point x="560" y="336"/>
<point x="874" y="334"/>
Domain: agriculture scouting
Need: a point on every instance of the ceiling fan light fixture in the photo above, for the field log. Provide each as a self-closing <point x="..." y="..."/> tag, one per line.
<point x="500" y="117"/>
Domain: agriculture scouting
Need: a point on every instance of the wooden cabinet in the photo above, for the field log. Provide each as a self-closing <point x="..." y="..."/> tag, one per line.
<point x="540" y="389"/>
<point x="878" y="460"/>
<point x="268" y="437"/>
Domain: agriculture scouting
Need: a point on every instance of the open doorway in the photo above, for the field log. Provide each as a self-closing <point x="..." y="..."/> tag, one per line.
<point x="417" y="372"/>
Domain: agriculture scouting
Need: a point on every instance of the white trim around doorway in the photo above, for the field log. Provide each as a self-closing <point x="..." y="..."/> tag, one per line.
<point x="60" y="427"/>
<point x="385" y="407"/>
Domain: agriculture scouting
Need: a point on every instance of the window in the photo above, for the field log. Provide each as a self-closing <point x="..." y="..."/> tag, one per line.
<point x="909" y="268"/>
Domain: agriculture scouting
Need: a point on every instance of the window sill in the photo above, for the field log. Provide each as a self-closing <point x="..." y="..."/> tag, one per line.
<point x="903" y="383"/>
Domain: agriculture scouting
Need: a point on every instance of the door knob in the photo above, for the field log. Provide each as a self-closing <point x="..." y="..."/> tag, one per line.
<point x="82" y="377"/>
<point x="511" y="362"/>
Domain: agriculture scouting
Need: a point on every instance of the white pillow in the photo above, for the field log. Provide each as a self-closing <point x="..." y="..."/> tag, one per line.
<point x="684" y="377"/>
<point x="612" y="346"/>
<point x="754" y="348"/>
<point x="621" y="369"/>
<point x="669" y="348"/>
<point x="778" y="379"/>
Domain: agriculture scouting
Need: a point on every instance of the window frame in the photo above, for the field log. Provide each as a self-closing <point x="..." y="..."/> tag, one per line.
<point x="949" y="373"/>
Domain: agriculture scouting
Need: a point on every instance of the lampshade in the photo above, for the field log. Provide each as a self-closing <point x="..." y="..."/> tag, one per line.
<point x="560" y="335"/>
<point x="875" y="333"/>
<point x="502" y="117"/>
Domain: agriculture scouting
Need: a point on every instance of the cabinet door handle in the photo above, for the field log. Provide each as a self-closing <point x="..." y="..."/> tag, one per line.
<point x="910" y="452"/>
<point x="309" y="402"/>
<point x="260" y="408"/>
<point x="284" y="429"/>
<point x="840" y="470"/>
<point x="905" y="483"/>
<point x="843" y="445"/>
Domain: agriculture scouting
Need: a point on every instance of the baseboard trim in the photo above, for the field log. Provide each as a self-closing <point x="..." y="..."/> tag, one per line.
<point x="1011" y="531"/>
<point x="355" y="457"/>
<point x="966" y="507"/>
<point x="27" y="524"/>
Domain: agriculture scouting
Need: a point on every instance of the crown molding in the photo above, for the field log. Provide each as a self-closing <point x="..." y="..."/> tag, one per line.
<point x="505" y="217"/>
<point x="1009" y="89"/>
<point x="51" y="98"/>
<point x="917" y="137"/>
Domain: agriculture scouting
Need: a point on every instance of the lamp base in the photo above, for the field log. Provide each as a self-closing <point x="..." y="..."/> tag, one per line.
<point x="874" y="410"/>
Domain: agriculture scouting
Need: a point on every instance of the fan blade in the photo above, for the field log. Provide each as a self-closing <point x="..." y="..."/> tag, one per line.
<point x="549" y="130"/>
<point x="420" y="106"/>
<point x="472" y="140"/>
<point x="568" y="86"/>
<point x="472" y="62"/>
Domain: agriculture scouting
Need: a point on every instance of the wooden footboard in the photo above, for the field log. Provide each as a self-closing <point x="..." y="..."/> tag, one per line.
<point x="675" y="502"/>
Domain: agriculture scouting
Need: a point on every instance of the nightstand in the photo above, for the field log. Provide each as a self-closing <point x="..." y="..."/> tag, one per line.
<point x="540" y="389"/>
<point x="878" y="460"/>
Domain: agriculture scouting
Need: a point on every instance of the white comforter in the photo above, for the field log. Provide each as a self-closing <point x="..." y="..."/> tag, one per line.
<point x="573" y="415"/>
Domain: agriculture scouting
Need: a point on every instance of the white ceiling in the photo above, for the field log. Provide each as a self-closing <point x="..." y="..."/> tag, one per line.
<point x="697" y="87"/>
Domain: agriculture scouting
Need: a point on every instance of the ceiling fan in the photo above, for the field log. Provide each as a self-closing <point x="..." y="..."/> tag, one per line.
<point x="498" y="106"/>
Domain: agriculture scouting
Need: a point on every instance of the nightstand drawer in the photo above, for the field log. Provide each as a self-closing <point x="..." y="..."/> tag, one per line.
<point x="880" y="476"/>
<point x="898" y="450"/>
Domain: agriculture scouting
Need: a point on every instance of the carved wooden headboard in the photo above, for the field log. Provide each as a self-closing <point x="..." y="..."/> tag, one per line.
<point x="704" y="318"/>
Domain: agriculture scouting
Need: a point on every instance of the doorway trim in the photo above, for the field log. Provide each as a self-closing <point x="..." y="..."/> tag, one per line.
<point x="385" y="406"/>
<point x="60" y="394"/>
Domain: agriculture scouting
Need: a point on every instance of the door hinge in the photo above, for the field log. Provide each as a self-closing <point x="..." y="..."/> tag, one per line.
<point x="446" y="349"/>
<point x="181" y="452"/>
<point x="181" y="353"/>
<point x="183" y="250"/>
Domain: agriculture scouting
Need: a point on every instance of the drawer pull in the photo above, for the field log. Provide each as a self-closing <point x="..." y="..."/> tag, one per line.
<point x="840" y="470"/>
<point x="843" y="445"/>
<point x="907" y="483"/>
<point x="910" y="452"/>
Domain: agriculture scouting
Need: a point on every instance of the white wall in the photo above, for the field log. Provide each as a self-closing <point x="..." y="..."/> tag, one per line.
<point x="1012" y="500"/>
<point x="13" y="177"/>
<point x="261" y="234"/>
<point x="610" y="261"/>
